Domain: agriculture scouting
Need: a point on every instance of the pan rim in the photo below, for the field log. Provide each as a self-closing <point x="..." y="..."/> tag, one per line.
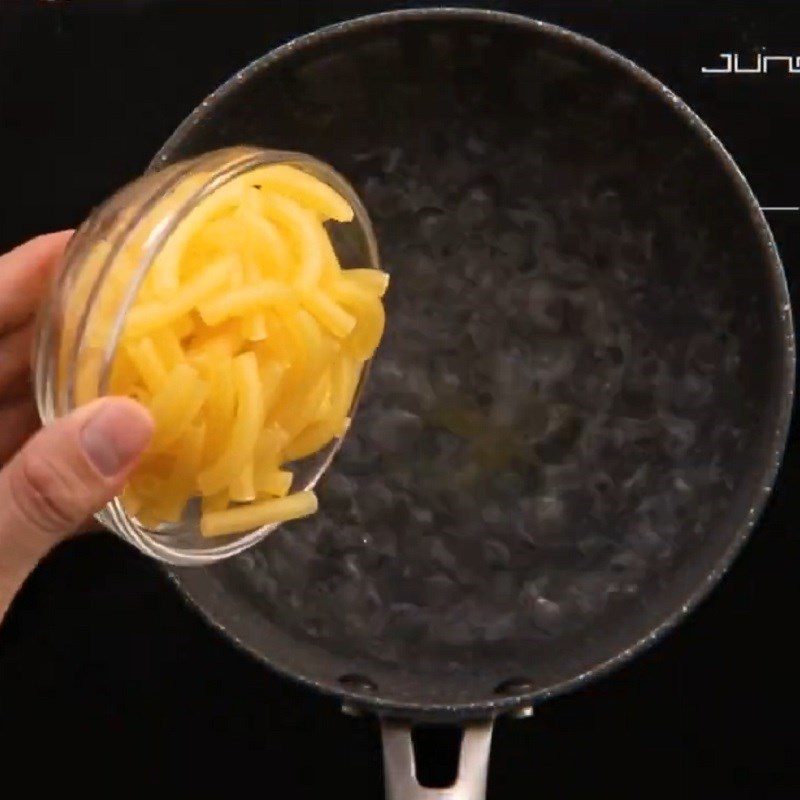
<point x="385" y="705"/>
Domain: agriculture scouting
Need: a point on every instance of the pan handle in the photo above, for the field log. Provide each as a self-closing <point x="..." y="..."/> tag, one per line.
<point x="400" y="772"/>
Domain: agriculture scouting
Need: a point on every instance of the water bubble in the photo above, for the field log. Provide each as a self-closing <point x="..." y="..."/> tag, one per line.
<point x="549" y="420"/>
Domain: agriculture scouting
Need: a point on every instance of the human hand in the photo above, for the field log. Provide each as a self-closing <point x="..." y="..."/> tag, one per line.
<point x="54" y="478"/>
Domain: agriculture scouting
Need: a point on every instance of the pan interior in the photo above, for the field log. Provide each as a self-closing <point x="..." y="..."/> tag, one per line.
<point x="571" y="416"/>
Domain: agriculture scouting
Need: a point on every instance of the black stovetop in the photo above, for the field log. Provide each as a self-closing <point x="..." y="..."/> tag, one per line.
<point x="100" y="662"/>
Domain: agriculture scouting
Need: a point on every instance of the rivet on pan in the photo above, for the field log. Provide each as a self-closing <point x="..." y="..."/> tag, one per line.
<point x="358" y="683"/>
<point x="514" y="686"/>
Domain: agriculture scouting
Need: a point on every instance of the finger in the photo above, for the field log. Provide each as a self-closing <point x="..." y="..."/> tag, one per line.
<point x="15" y="356"/>
<point x="91" y="525"/>
<point x="23" y="275"/>
<point x="71" y="468"/>
<point x="64" y="473"/>
<point x="18" y="421"/>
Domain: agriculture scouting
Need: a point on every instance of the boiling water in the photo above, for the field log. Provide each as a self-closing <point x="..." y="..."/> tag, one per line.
<point x="545" y="425"/>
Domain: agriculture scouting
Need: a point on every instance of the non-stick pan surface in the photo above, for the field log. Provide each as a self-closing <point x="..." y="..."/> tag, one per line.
<point x="584" y="388"/>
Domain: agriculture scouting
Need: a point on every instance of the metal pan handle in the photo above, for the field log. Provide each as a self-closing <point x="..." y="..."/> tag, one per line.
<point x="400" y="773"/>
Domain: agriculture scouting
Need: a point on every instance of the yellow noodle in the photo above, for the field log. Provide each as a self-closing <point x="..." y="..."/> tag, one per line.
<point x="255" y="515"/>
<point x="305" y="189"/>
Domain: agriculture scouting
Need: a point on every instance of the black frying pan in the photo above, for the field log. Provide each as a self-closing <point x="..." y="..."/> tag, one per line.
<point x="582" y="397"/>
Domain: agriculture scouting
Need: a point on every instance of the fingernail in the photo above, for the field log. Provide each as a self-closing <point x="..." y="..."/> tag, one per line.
<point x="116" y="435"/>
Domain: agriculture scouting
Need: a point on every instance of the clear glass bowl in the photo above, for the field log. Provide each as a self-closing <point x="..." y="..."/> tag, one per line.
<point x="83" y="315"/>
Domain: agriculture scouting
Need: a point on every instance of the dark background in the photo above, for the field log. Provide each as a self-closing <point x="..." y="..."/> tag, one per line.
<point x="104" y="671"/>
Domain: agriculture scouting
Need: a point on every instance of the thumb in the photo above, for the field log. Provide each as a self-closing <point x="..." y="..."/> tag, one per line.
<point x="65" y="473"/>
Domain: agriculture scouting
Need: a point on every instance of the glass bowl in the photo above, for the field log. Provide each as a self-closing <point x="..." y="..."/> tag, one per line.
<point x="83" y="315"/>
